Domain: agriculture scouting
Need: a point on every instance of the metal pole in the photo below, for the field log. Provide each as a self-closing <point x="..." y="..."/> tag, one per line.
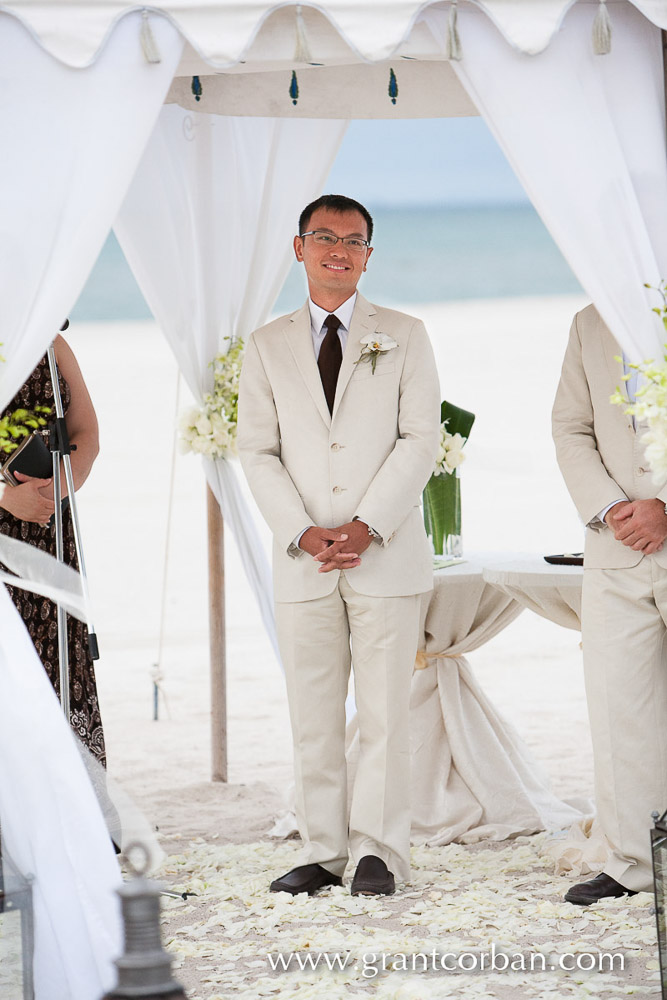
<point x="63" y="653"/>
<point x="217" y="649"/>
<point x="63" y="450"/>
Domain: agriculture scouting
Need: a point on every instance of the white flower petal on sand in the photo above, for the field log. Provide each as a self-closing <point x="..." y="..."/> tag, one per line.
<point x="461" y="899"/>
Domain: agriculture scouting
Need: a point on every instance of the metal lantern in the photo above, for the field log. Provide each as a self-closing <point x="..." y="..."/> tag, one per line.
<point x="659" y="852"/>
<point x="16" y="901"/>
<point x="144" y="970"/>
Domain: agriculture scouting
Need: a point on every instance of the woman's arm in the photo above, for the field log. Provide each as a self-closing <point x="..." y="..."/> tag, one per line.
<point x="81" y="420"/>
<point x="33" y="499"/>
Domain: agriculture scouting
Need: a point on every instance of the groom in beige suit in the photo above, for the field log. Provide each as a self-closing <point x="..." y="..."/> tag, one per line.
<point x="624" y="602"/>
<point x="338" y="431"/>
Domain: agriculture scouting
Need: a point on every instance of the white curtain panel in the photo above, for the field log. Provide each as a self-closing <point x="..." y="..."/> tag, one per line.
<point x="207" y="228"/>
<point x="53" y="828"/>
<point x="71" y="140"/>
<point x="585" y="134"/>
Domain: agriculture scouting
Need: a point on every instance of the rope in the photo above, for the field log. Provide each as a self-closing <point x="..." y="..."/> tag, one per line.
<point x="148" y="43"/>
<point x="156" y="673"/>
<point x="602" y="30"/>
<point x="453" y="40"/>
<point x="302" y="53"/>
<point x="422" y="658"/>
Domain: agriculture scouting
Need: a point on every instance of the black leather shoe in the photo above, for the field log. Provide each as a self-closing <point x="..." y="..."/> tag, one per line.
<point x="372" y="878"/>
<point x="305" y="878"/>
<point x="600" y="887"/>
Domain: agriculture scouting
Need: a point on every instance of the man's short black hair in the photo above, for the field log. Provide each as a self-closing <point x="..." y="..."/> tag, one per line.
<point x="337" y="203"/>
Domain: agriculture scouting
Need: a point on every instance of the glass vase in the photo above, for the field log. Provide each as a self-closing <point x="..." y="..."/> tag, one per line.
<point x="442" y="514"/>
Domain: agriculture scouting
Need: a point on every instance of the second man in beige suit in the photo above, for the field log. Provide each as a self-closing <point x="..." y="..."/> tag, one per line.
<point x="624" y="602"/>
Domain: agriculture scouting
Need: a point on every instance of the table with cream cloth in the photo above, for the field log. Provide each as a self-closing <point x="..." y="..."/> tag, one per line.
<point x="553" y="592"/>
<point x="473" y="778"/>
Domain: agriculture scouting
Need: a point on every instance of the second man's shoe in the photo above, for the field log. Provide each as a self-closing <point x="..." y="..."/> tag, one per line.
<point x="372" y="878"/>
<point x="600" y="887"/>
<point x="305" y="878"/>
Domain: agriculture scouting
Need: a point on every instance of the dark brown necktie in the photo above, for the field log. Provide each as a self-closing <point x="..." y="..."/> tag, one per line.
<point x="329" y="360"/>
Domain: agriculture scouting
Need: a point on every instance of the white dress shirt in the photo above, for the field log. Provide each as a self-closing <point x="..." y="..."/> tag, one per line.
<point x="318" y="315"/>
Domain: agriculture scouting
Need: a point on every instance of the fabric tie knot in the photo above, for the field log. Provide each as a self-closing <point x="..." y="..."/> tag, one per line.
<point x="330" y="358"/>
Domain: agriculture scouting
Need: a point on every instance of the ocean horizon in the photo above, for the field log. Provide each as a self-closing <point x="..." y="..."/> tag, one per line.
<point x="423" y="254"/>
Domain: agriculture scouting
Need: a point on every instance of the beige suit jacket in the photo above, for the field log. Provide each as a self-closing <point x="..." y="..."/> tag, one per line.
<point x="370" y="458"/>
<point x="599" y="452"/>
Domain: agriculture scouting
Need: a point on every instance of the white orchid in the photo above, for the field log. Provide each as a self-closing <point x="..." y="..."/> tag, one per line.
<point x="373" y="345"/>
<point x="650" y="406"/>
<point x="450" y="452"/>
<point x="211" y="429"/>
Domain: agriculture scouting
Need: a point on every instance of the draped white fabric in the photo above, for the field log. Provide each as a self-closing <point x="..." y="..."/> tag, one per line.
<point x="586" y="137"/>
<point x="53" y="829"/>
<point x="228" y="30"/>
<point x="70" y="143"/>
<point x="207" y="228"/>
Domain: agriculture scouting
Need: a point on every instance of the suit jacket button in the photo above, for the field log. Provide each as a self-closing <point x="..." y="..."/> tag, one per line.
<point x="336" y="489"/>
<point x="335" y="446"/>
<point x="641" y="471"/>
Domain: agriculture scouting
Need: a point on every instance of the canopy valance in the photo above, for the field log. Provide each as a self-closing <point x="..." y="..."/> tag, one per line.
<point x="226" y="34"/>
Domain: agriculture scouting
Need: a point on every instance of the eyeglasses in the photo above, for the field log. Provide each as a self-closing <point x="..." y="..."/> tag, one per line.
<point x="354" y="243"/>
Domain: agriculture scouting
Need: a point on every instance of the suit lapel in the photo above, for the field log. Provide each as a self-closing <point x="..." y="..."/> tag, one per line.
<point x="363" y="322"/>
<point x="301" y="345"/>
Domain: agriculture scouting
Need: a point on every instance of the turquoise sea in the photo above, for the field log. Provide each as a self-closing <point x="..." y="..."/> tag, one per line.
<point x="422" y="254"/>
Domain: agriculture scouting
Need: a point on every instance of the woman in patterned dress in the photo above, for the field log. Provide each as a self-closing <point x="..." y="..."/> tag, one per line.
<point x="25" y="513"/>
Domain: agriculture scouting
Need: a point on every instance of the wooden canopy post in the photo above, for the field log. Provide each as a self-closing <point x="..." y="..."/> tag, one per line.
<point x="217" y="649"/>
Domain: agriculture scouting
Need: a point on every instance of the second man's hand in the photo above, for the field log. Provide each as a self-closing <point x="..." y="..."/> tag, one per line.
<point x="641" y="524"/>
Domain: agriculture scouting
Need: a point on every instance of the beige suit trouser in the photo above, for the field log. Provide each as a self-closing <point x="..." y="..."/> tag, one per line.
<point x="315" y="638"/>
<point x="624" y="615"/>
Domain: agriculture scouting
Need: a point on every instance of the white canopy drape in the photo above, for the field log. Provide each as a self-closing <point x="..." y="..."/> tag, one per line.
<point x="53" y="829"/>
<point x="586" y="136"/>
<point x="70" y="144"/>
<point x="207" y="228"/>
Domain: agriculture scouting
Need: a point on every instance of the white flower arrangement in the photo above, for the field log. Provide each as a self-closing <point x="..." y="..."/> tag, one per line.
<point x="373" y="345"/>
<point x="210" y="430"/>
<point x="651" y="401"/>
<point x="450" y="453"/>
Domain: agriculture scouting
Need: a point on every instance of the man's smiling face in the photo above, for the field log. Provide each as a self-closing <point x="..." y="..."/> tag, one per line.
<point x="333" y="272"/>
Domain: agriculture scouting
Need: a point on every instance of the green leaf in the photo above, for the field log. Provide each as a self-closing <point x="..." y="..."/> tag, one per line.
<point x="459" y="421"/>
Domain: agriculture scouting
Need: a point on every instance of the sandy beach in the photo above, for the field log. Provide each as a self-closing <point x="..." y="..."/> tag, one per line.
<point x="498" y="358"/>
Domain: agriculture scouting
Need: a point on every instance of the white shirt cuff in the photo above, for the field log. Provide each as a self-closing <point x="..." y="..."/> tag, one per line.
<point x="603" y="513"/>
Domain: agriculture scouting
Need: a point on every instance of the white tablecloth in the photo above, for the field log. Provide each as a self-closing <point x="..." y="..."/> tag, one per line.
<point x="473" y="778"/>
<point x="554" y="592"/>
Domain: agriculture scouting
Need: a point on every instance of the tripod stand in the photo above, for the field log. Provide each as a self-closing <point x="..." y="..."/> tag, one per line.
<point x="60" y="447"/>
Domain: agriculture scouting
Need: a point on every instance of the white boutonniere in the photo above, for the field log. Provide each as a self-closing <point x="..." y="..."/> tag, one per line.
<point x="373" y="346"/>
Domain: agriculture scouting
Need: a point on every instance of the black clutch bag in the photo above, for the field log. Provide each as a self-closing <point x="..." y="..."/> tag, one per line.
<point x="31" y="458"/>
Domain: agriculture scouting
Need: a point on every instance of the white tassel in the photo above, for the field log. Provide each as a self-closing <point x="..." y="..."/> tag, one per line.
<point x="453" y="40"/>
<point x="602" y="30"/>
<point x="302" y="53"/>
<point x="148" y="43"/>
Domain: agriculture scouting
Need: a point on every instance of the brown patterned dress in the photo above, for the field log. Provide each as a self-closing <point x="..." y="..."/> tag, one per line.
<point x="40" y="614"/>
